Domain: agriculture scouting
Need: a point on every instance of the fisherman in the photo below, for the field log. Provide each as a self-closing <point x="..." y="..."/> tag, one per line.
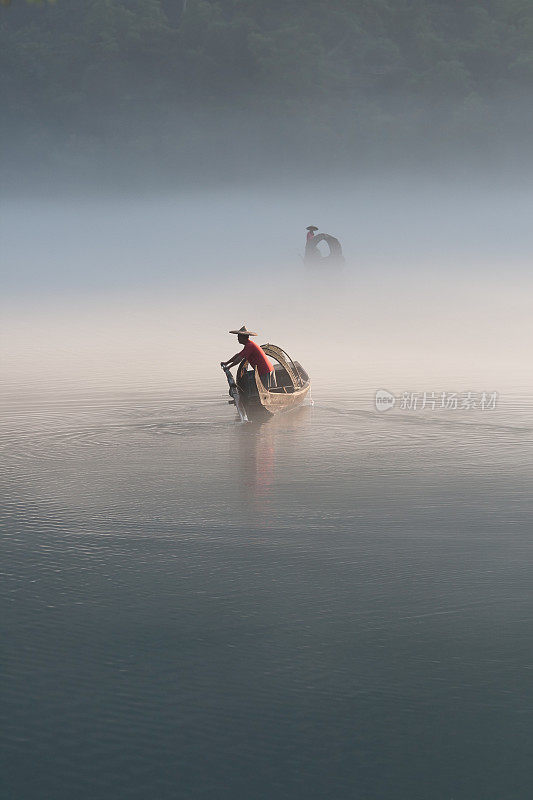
<point x="311" y="232"/>
<point x="254" y="355"/>
<point x="312" y="252"/>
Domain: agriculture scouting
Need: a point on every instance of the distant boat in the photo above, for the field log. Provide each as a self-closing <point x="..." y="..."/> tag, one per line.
<point x="254" y="400"/>
<point x="313" y="256"/>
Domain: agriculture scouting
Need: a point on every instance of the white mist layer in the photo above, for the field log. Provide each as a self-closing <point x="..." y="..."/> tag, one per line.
<point x="435" y="293"/>
<point x="345" y="334"/>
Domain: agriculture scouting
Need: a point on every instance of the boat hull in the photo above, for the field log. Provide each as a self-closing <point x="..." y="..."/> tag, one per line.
<point x="270" y="403"/>
<point x="289" y="389"/>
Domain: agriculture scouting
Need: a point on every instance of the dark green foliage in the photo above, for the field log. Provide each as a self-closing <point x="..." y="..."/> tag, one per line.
<point x="142" y="72"/>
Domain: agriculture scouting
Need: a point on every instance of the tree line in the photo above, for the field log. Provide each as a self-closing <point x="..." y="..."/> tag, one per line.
<point x="340" y="72"/>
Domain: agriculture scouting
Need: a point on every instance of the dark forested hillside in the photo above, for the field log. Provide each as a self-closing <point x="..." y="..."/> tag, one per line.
<point x="168" y="81"/>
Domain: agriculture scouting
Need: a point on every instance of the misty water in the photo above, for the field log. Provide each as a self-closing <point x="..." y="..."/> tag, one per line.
<point x="333" y="604"/>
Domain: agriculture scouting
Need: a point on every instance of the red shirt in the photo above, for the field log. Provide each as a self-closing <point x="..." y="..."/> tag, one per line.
<point x="256" y="358"/>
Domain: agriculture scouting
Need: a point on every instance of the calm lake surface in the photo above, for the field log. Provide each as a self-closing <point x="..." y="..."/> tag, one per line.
<point x="334" y="604"/>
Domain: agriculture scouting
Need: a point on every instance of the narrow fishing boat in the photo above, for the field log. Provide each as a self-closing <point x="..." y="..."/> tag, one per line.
<point x="313" y="255"/>
<point x="253" y="400"/>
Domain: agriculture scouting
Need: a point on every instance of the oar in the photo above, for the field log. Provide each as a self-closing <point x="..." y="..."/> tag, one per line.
<point x="234" y="392"/>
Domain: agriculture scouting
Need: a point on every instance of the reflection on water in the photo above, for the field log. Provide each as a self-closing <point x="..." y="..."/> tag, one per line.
<point x="257" y="463"/>
<point x="257" y="457"/>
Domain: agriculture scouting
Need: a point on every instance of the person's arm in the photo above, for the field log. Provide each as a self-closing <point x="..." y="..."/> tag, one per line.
<point x="233" y="360"/>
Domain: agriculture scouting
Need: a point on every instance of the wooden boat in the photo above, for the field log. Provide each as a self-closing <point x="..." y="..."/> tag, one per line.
<point x="314" y="257"/>
<point x="254" y="400"/>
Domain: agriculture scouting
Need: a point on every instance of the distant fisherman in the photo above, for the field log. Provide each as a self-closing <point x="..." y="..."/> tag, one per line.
<point x="311" y="232"/>
<point x="254" y="356"/>
<point x="311" y="250"/>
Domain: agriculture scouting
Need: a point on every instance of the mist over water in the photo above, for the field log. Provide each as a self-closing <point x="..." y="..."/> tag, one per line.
<point x="335" y="603"/>
<point x="142" y="291"/>
<point x="399" y="222"/>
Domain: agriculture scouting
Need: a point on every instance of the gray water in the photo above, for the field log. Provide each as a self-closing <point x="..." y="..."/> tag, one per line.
<point x="335" y="604"/>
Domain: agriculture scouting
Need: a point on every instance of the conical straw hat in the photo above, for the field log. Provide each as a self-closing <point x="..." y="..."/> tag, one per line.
<point x="244" y="332"/>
